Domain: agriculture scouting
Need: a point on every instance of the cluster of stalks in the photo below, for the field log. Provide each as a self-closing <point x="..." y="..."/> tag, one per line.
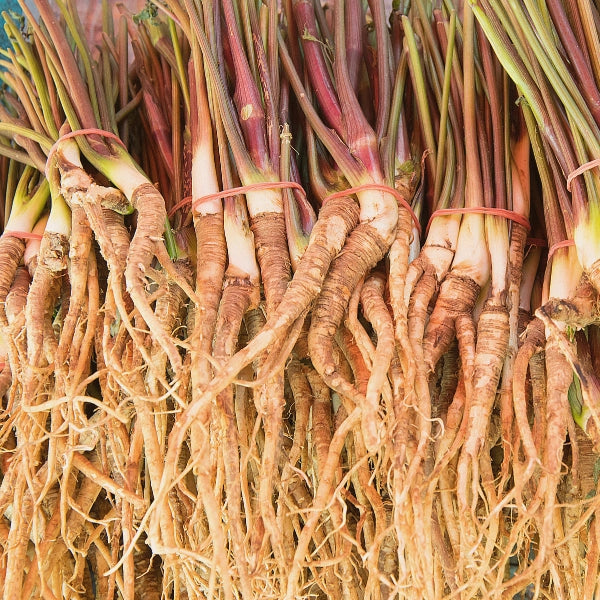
<point x="300" y="300"/>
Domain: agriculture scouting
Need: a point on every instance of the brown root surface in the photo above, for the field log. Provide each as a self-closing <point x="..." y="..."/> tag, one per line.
<point x="44" y="291"/>
<point x="16" y="298"/>
<point x="593" y="274"/>
<point x="11" y="252"/>
<point x="169" y="312"/>
<point x="79" y="250"/>
<point x="534" y="341"/>
<point x="211" y="258"/>
<point x="578" y="312"/>
<point x="433" y="262"/>
<point x="490" y="352"/>
<point x="363" y="250"/>
<point x="273" y="256"/>
<point x="559" y="379"/>
<point x="377" y="313"/>
<point x="457" y="297"/>
<point x="337" y="218"/>
<point x="238" y="295"/>
<point x="152" y="217"/>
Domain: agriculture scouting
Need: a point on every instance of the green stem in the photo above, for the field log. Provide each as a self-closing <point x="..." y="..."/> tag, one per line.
<point x="10" y="130"/>
<point x="74" y="27"/>
<point x="170" y="241"/>
<point x="418" y="78"/>
<point x="181" y="70"/>
<point x="36" y="72"/>
<point x="441" y="145"/>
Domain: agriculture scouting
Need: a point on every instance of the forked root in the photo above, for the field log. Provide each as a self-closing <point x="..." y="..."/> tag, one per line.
<point x="363" y="250"/>
<point x="457" y="297"/>
<point x="152" y="217"/>
<point x="44" y="291"/>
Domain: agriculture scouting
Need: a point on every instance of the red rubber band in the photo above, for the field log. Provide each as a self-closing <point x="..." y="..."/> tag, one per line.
<point x="181" y="203"/>
<point x="582" y="169"/>
<point x="24" y="235"/>
<point x="253" y="187"/>
<point x="78" y="132"/>
<point x="382" y="188"/>
<point x="511" y="215"/>
<point x="538" y="242"/>
<point x="559" y="245"/>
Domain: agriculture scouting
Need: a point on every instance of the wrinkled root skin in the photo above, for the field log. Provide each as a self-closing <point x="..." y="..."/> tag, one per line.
<point x="11" y="252"/>
<point x="457" y="297"/>
<point x="152" y="216"/>
<point x="376" y="312"/>
<point x="238" y="295"/>
<point x="578" y="312"/>
<point x="81" y="242"/>
<point x="492" y="343"/>
<point x="419" y="303"/>
<point x="211" y="254"/>
<point x="337" y="218"/>
<point x="363" y="250"/>
<point x="44" y="290"/>
<point x="273" y="256"/>
<point x="16" y="299"/>
<point x="559" y="377"/>
<point x="433" y="261"/>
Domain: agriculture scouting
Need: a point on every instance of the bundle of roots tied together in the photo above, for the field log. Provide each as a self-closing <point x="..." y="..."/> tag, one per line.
<point x="299" y="299"/>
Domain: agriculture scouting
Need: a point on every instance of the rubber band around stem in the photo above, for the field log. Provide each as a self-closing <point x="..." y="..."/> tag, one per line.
<point x="559" y="245"/>
<point x="252" y="187"/>
<point x="24" y="235"/>
<point x="382" y="188"/>
<point x="582" y="169"/>
<point x="77" y="133"/>
<point x="181" y="203"/>
<point x="511" y="215"/>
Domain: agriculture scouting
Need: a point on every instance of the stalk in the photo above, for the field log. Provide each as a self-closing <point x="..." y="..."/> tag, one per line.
<point x="299" y="215"/>
<point x="470" y="267"/>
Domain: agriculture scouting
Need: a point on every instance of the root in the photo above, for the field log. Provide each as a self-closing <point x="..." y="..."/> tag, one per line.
<point x="11" y="253"/>
<point x="16" y="300"/>
<point x="425" y="273"/>
<point x="302" y="394"/>
<point x="457" y="296"/>
<point x="80" y="245"/>
<point x="211" y="255"/>
<point x="80" y="359"/>
<point x="237" y="297"/>
<point x="398" y="256"/>
<point x="559" y="377"/>
<point x="43" y="293"/>
<point x="152" y="216"/>
<point x="533" y="343"/>
<point x="168" y="310"/>
<point x="273" y="256"/>
<point x="593" y="274"/>
<point x="377" y="313"/>
<point x="580" y="362"/>
<point x="581" y="310"/>
<point x="363" y="250"/>
<point x="337" y="218"/>
<point x="322" y="499"/>
<point x="490" y="352"/>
